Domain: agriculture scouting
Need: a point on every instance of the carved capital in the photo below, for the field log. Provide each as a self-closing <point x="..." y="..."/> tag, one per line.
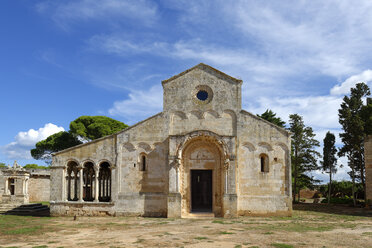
<point x="175" y="163"/>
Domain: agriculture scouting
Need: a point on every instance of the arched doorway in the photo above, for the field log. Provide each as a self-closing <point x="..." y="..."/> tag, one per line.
<point x="202" y="176"/>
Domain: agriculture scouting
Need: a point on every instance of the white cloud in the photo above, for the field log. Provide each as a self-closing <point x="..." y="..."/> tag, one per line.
<point x="341" y="174"/>
<point x="25" y="141"/>
<point x="139" y="105"/>
<point x="63" y="13"/>
<point x="350" y="82"/>
<point x="317" y="111"/>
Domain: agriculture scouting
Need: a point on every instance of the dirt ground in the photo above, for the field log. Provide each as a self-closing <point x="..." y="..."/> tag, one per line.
<point x="312" y="225"/>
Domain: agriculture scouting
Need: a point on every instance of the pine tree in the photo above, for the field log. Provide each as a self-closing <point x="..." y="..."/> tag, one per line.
<point x="304" y="156"/>
<point x="354" y="133"/>
<point x="271" y="117"/>
<point x="329" y="159"/>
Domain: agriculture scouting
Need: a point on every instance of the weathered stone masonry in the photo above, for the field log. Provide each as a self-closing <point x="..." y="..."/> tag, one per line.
<point x="20" y="186"/>
<point x="203" y="153"/>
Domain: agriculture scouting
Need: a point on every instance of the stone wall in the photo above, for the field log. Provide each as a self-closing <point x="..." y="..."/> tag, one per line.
<point x="39" y="185"/>
<point x="368" y="164"/>
<point x="263" y="193"/>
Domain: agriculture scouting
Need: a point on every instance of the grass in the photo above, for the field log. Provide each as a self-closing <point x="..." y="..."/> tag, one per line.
<point x="42" y="202"/>
<point x="220" y="222"/>
<point x="22" y="230"/>
<point x="248" y="231"/>
<point x="279" y="245"/>
<point x="24" y="225"/>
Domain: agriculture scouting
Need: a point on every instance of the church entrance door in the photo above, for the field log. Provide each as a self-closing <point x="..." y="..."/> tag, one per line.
<point x="201" y="191"/>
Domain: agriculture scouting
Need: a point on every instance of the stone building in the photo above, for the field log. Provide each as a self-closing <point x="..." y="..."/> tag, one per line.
<point x="21" y="186"/>
<point x="368" y="164"/>
<point x="201" y="154"/>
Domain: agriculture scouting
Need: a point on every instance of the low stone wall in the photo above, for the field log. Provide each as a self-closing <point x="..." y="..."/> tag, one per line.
<point x="142" y="204"/>
<point x="264" y="206"/>
<point x="82" y="209"/>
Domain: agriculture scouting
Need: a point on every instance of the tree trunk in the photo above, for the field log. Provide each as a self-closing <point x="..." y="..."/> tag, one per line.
<point x="353" y="180"/>
<point x="330" y="185"/>
<point x="363" y="182"/>
<point x="295" y="176"/>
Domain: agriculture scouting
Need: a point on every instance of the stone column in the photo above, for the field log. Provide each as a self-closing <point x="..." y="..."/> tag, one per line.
<point x="174" y="196"/>
<point x="81" y="182"/>
<point x="6" y="189"/>
<point x="23" y="186"/>
<point x="96" y="186"/>
<point x="63" y="185"/>
<point x="26" y="186"/>
<point x="230" y="202"/>
<point x="226" y="171"/>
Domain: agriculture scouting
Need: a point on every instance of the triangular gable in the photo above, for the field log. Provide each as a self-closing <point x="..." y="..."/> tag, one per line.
<point x="208" y="69"/>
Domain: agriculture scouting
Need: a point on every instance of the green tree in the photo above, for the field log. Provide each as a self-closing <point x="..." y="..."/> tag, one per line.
<point x="2" y="165"/>
<point x="353" y="125"/>
<point x="271" y="117"/>
<point x="329" y="159"/>
<point x="304" y="156"/>
<point x="35" y="166"/>
<point x="84" y="128"/>
<point x="54" y="143"/>
<point x="366" y="114"/>
<point x="94" y="127"/>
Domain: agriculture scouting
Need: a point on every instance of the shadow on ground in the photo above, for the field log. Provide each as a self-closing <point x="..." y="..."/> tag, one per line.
<point x="333" y="209"/>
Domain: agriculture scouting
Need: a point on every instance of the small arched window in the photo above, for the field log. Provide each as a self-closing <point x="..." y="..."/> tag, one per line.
<point x="72" y="178"/>
<point x="11" y="185"/>
<point x="264" y="162"/>
<point x="143" y="165"/>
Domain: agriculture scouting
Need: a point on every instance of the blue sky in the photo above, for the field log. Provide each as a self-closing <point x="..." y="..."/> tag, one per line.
<point x="63" y="59"/>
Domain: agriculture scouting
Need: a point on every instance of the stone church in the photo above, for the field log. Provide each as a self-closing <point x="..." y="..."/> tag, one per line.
<point x="203" y="155"/>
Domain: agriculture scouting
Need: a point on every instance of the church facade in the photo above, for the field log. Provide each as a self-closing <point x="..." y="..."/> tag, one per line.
<point x="202" y="154"/>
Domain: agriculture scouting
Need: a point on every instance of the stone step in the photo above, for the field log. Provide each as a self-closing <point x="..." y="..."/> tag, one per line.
<point x="200" y="215"/>
<point x="35" y="209"/>
<point x="6" y="207"/>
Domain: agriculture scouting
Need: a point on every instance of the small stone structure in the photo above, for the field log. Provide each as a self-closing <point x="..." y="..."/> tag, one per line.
<point x="21" y="186"/>
<point x="368" y="164"/>
<point x="15" y="181"/>
<point x="201" y="154"/>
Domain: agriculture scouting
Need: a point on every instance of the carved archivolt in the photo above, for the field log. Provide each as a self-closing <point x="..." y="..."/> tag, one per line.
<point x="198" y="114"/>
<point x="129" y="147"/>
<point x="265" y="145"/>
<point x="206" y="136"/>
<point x="180" y="114"/>
<point x="282" y="145"/>
<point x="211" y="112"/>
<point x="144" y="146"/>
<point x="249" y="146"/>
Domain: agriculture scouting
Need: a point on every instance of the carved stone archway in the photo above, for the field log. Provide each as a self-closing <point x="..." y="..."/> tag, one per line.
<point x="202" y="153"/>
<point x="201" y="150"/>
